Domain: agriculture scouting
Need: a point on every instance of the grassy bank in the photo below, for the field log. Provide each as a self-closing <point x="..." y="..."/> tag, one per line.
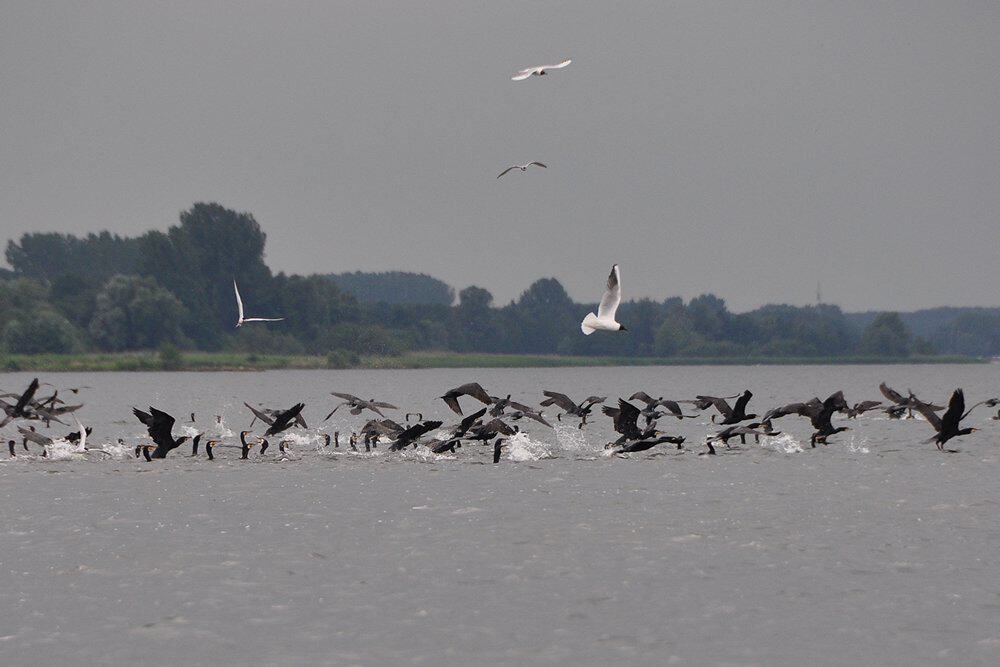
<point x="231" y="361"/>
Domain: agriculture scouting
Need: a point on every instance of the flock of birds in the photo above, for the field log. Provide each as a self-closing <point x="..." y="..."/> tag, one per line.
<point x="635" y="420"/>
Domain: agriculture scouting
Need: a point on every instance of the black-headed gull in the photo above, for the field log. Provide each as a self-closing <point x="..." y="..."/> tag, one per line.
<point x="522" y="167"/>
<point x="538" y="71"/>
<point x="605" y="318"/>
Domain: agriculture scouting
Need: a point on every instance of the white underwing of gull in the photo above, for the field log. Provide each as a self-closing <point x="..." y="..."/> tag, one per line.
<point x="241" y="319"/>
<point x="604" y="320"/>
<point x="522" y="167"/>
<point x="538" y="71"/>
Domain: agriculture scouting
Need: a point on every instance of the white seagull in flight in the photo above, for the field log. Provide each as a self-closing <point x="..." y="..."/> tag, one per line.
<point x="239" y="304"/>
<point x="605" y="318"/>
<point x="538" y="71"/>
<point x="522" y="167"/>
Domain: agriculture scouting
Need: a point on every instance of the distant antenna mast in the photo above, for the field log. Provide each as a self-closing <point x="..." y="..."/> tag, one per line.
<point x="819" y="295"/>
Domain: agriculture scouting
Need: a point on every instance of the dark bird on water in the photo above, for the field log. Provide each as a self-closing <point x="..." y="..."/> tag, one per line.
<point x="410" y="435"/>
<point x="268" y="416"/>
<point x="731" y="415"/>
<point x="673" y="408"/>
<point x="648" y="443"/>
<point x="160" y="426"/>
<point x="947" y="425"/>
<point x="472" y="389"/>
<point x="497" y="447"/>
<point x="284" y="420"/>
<point x="569" y="407"/>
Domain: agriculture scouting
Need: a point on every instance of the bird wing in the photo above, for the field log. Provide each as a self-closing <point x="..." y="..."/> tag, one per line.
<point x="26" y="397"/>
<point x="263" y="416"/>
<point x="625" y="422"/>
<point x="891" y="394"/>
<point x="931" y="416"/>
<point x="347" y="397"/>
<point x="720" y="404"/>
<point x="82" y="445"/>
<point x="144" y="417"/>
<point x="593" y="400"/>
<point x="284" y="418"/>
<point x="452" y="402"/>
<point x="559" y="66"/>
<point x="956" y="410"/>
<point x="36" y="438"/>
<point x="520" y="407"/>
<point x="382" y="404"/>
<point x="264" y="319"/>
<point x="539" y="164"/>
<point x="835" y="401"/>
<point x="642" y="396"/>
<point x="562" y="400"/>
<point x="508" y="168"/>
<point x="741" y="402"/>
<point x="239" y="301"/>
<point x="523" y="74"/>
<point x="672" y="406"/>
<point x="475" y="390"/>
<point x="417" y="430"/>
<point x="612" y="295"/>
<point x="538" y="417"/>
<point x="468" y="421"/>
<point x="499" y="426"/>
<point x="162" y="429"/>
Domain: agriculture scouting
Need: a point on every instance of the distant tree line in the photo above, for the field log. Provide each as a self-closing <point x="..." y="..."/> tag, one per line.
<point x="104" y="292"/>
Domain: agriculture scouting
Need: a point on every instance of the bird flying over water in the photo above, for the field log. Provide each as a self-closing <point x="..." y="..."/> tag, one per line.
<point x="537" y="71"/>
<point x="473" y="389"/>
<point x="241" y="319"/>
<point x="522" y="167"/>
<point x="605" y="317"/>
<point x="160" y="426"/>
<point x="947" y="426"/>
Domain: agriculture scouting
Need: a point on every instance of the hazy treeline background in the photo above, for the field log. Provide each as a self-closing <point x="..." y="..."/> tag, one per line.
<point x="109" y="293"/>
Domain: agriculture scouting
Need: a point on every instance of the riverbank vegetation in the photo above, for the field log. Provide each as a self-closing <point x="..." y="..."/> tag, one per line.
<point x="104" y="299"/>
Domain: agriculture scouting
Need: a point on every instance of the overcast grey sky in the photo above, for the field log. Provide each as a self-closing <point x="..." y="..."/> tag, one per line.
<point x="747" y="149"/>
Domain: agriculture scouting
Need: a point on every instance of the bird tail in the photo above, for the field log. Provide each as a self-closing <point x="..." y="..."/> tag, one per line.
<point x="587" y="326"/>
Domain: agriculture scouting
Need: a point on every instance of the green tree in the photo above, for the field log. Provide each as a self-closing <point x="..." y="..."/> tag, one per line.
<point x="38" y="332"/>
<point x="887" y="336"/>
<point x="133" y="313"/>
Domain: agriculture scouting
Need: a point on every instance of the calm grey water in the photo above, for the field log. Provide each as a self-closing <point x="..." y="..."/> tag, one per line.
<point x="876" y="549"/>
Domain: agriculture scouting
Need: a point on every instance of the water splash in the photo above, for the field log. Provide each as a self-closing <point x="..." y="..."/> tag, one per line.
<point x="784" y="444"/>
<point x="520" y="447"/>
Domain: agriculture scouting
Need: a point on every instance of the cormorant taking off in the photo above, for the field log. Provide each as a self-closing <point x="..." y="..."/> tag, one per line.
<point x="947" y="426"/>
<point x="473" y="389"/>
<point x="673" y="407"/>
<point x="571" y="408"/>
<point x="410" y="435"/>
<point x="357" y="405"/>
<point x="160" y="426"/>
<point x="284" y="420"/>
<point x="19" y="409"/>
<point x="268" y="416"/>
<point x="731" y="415"/>
<point x="625" y="417"/>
